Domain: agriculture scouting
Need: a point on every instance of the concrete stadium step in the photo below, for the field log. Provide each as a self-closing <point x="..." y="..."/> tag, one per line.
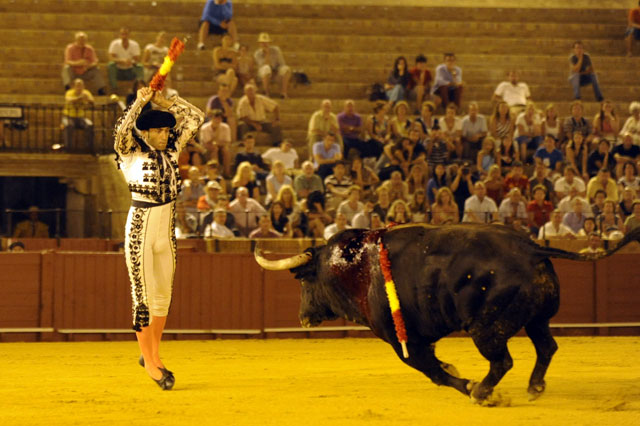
<point x="343" y="11"/>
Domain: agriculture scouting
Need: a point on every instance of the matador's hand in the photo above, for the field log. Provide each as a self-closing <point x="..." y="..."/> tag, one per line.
<point x="145" y="94"/>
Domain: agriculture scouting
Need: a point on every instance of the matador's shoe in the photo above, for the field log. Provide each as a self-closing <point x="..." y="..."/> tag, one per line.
<point x="141" y="362"/>
<point x="167" y="381"/>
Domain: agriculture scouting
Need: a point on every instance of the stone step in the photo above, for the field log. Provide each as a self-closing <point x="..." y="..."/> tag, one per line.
<point x="253" y="8"/>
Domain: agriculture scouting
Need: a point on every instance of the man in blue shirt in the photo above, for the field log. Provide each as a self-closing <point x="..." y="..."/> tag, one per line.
<point x="548" y="154"/>
<point x="448" y="82"/>
<point x="326" y="154"/>
<point x="582" y="73"/>
<point x="216" y="19"/>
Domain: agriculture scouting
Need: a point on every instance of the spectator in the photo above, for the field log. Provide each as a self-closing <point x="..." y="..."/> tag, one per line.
<point x="439" y="148"/>
<point x="248" y="154"/>
<point x="212" y="173"/>
<point x="16" y="247"/>
<point x="398" y="81"/>
<point x="326" y="155"/>
<point x="245" y="177"/>
<point x="604" y="182"/>
<point x="630" y="177"/>
<point x="595" y="244"/>
<point x="420" y="83"/>
<point x="461" y="185"/>
<point x="551" y="123"/>
<point x="577" y="123"/>
<point x="541" y="177"/>
<point x="601" y="158"/>
<point x="32" y="227"/>
<point x="444" y="210"/>
<point x="574" y="220"/>
<point x="215" y="137"/>
<point x="352" y="205"/>
<point x="539" y="209"/>
<point x="501" y="124"/>
<point x="229" y="220"/>
<point x="378" y="131"/>
<point x="399" y="213"/>
<point x="578" y="153"/>
<point x="314" y="208"/>
<point x="284" y="153"/>
<point x="517" y="179"/>
<point x="417" y="179"/>
<point x="276" y="180"/>
<point x="566" y="203"/>
<point x="625" y="153"/>
<point x="81" y="61"/>
<point x="633" y="28"/>
<point x="209" y="200"/>
<point x="133" y="95"/>
<point x="486" y="157"/>
<point x="124" y="55"/>
<point x="74" y="115"/>
<point x="633" y="221"/>
<point x="507" y="154"/>
<point x="473" y="130"/>
<point x="384" y="202"/>
<point x="308" y="181"/>
<point x="605" y="123"/>
<point x="153" y="56"/>
<point x="186" y="224"/>
<point x="351" y="129"/>
<point x="363" y="220"/>
<point x="515" y="93"/>
<point x="407" y="151"/>
<point x="419" y="207"/>
<point x="323" y="121"/>
<point x="398" y="189"/>
<point x="246" y="66"/>
<point x="528" y="131"/>
<point x="192" y="190"/>
<point x="548" y="154"/>
<point x="494" y="184"/>
<point x="225" y="63"/>
<point x="608" y="220"/>
<point x="246" y="211"/>
<point x="588" y="228"/>
<point x="426" y="119"/>
<point x="567" y="181"/>
<point x="438" y="181"/>
<point x="270" y="62"/>
<point x="279" y="219"/>
<point x="479" y="208"/>
<point x="298" y="220"/>
<point x="363" y="176"/>
<point x="597" y="206"/>
<point x="555" y="229"/>
<point x="337" y="186"/>
<point x="451" y="127"/>
<point x="632" y="125"/>
<point x="582" y="72"/>
<point x="218" y="228"/>
<point x="265" y="229"/>
<point x="625" y="206"/>
<point x="217" y="18"/>
<point x="222" y="101"/>
<point x="339" y="225"/>
<point x="513" y="208"/>
<point x="448" y="81"/>
<point x="400" y="123"/>
<point x="252" y="113"/>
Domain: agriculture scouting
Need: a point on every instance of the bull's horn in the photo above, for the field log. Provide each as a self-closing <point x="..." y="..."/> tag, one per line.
<point x="282" y="264"/>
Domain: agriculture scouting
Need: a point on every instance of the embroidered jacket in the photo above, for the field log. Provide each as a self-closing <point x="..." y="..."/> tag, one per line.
<point x="153" y="175"/>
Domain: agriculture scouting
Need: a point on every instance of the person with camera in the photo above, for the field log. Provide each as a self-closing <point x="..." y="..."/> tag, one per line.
<point x="462" y="184"/>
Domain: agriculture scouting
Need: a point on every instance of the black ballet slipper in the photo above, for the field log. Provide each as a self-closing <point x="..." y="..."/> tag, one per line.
<point x="167" y="381"/>
<point x="141" y="361"/>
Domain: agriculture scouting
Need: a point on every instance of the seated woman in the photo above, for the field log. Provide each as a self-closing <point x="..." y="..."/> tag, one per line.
<point x="225" y="63"/>
<point x="419" y="207"/>
<point x="438" y="181"/>
<point x="551" y="123"/>
<point x="609" y="221"/>
<point x="245" y="176"/>
<point x="276" y="180"/>
<point x="577" y="154"/>
<point x="399" y="78"/>
<point x="279" y="219"/>
<point x="363" y="176"/>
<point x="486" y="156"/>
<point x="400" y="123"/>
<point x="528" y="132"/>
<point x="246" y="66"/>
<point x="507" y="154"/>
<point x="501" y="124"/>
<point x="605" y="123"/>
<point x="444" y="210"/>
<point x="399" y="213"/>
<point x="417" y="179"/>
<point x="378" y="131"/>
<point x="298" y="220"/>
<point x="451" y="129"/>
<point x="494" y="184"/>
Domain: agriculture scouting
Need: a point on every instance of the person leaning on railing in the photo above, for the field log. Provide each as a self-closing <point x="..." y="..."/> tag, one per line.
<point x="77" y="101"/>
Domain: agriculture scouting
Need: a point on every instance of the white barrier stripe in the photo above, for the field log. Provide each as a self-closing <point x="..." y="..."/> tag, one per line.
<point x="27" y="330"/>
<point x="169" y="331"/>
<point x="302" y="329"/>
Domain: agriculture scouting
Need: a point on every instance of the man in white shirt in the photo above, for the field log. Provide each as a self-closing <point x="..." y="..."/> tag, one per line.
<point x="246" y="211"/>
<point x="218" y="229"/>
<point x="125" y="60"/>
<point x="568" y="181"/>
<point x="339" y="225"/>
<point x="284" y="153"/>
<point x="515" y="93"/>
<point x="474" y="130"/>
<point x="352" y="205"/>
<point x="215" y="136"/>
<point x="252" y="114"/>
<point x="479" y="208"/>
<point x="555" y="229"/>
<point x="566" y="204"/>
<point x="513" y="208"/>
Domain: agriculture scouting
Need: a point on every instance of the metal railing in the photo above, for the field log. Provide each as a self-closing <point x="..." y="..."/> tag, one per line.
<point x="46" y="128"/>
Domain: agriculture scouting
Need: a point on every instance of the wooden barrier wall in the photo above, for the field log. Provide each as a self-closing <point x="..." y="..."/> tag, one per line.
<point x="86" y="296"/>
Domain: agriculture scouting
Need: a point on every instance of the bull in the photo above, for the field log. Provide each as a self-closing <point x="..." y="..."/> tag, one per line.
<point x="488" y="280"/>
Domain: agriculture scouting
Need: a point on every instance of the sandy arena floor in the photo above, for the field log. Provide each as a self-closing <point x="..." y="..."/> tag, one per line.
<point x="591" y="381"/>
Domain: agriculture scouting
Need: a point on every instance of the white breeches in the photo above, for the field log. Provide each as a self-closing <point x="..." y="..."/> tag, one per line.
<point x="150" y="250"/>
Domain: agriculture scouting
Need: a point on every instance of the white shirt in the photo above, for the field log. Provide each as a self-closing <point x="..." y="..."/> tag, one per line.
<point x="513" y="95"/>
<point x="548" y="230"/>
<point x="507" y="210"/>
<point x="480" y="208"/>
<point x="350" y="213"/>
<point x="217" y="231"/>
<point x="523" y="122"/>
<point x="246" y="217"/>
<point x="566" y="205"/>
<point x="116" y="48"/>
<point x="331" y="230"/>
<point x="563" y="186"/>
<point x="288" y="158"/>
<point x="457" y="126"/>
<point x="221" y="135"/>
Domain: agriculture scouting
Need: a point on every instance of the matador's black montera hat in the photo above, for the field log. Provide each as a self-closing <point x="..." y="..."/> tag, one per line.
<point x="154" y="119"/>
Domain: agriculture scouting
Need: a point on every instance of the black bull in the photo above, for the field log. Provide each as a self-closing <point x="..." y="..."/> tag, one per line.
<point x="485" y="279"/>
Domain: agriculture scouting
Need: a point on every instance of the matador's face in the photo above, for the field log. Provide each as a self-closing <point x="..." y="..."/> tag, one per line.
<point x="158" y="137"/>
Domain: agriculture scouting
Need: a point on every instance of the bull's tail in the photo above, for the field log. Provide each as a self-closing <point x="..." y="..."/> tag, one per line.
<point x="633" y="235"/>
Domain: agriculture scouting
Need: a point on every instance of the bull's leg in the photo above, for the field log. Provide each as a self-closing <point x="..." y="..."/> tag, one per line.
<point x="495" y="350"/>
<point x="538" y="331"/>
<point x="423" y="358"/>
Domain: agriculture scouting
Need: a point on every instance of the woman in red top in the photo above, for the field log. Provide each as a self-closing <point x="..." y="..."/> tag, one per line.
<point x="539" y="209"/>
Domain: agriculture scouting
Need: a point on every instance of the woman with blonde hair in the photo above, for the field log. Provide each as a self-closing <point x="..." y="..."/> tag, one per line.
<point x="419" y="206"/>
<point x="494" y="184"/>
<point x="444" y="210"/>
<point x="276" y="179"/>
<point x="551" y="123"/>
<point x="400" y="122"/>
<point x="245" y="176"/>
<point x="298" y="221"/>
<point x="605" y="123"/>
<point x="501" y="123"/>
<point x="399" y="213"/>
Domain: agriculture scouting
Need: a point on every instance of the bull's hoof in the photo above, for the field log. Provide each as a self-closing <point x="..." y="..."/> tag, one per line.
<point x="535" y="391"/>
<point x="451" y="369"/>
<point x="493" y="399"/>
